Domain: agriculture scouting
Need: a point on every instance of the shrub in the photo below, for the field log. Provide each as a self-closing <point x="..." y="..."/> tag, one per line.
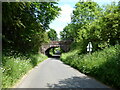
<point x="14" y="67"/>
<point x="103" y="65"/>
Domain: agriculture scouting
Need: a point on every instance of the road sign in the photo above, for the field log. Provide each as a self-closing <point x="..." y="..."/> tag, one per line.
<point x="89" y="47"/>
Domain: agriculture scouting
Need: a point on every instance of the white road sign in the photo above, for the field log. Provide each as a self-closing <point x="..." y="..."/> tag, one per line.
<point x="89" y="47"/>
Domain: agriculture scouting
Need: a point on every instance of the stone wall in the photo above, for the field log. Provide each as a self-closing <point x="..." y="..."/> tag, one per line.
<point x="65" y="45"/>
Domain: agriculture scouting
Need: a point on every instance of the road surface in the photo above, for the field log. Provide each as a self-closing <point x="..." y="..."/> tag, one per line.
<point x="52" y="73"/>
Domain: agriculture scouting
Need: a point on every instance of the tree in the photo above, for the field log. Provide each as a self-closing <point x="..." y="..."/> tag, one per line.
<point x="85" y="12"/>
<point x="68" y="33"/>
<point x="103" y="31"/>
<point x="94" y="24"/>
<point x="25" y="23"/>
<point x="52" y="34"/>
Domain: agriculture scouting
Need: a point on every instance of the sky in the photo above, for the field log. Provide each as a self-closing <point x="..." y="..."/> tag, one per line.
<point x="67" y="7"/>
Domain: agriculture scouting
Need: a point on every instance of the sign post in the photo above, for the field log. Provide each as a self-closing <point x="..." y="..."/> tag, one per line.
<point x="89" y="47"/>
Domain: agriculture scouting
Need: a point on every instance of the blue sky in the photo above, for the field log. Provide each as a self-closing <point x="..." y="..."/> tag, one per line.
<point x="67" y="7"/>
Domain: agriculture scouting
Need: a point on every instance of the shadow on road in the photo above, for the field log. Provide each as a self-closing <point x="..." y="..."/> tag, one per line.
<point x="77" y="82"/>
<point x="55" y="56"/>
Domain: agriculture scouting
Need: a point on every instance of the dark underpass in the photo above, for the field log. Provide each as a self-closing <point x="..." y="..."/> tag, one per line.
<point x="54" y="52"/>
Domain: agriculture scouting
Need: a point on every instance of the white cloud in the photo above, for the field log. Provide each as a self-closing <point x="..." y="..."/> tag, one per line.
<point x="58" y="29"/>
<point x="65" y="15"/>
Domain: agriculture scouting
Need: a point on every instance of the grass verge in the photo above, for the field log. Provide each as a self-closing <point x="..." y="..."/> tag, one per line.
<point x="103" y="65"/>
<point x="14" y="67"/>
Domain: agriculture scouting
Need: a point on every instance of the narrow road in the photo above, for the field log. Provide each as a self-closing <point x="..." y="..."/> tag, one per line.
<point x="52" y="73"/>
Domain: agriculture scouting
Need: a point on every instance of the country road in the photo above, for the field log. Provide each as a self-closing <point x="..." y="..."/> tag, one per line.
<point x="52" y="73"/>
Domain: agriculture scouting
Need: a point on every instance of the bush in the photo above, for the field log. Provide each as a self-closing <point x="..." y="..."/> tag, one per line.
<point x="14" y="67"/>
<point x="103" y="65"/>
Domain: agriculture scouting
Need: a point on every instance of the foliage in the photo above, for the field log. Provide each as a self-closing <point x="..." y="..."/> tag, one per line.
<point x="14" y="67"/>
<point x="51" y="51"/>
<point x="103" y="65"/>
<point x="54" y="51"/>
<point x="24" y="27"/>
<point x="68" y="32"/>
<point x="99" y="25"/>
<point x="85" y="12"/>
<point x="92" y="23"/>
<point x="52" y="34"/>
<point x="24" y="24"/>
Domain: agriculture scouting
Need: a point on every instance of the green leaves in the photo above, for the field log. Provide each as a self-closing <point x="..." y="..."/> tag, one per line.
<point x="15" y="66"/>
<point x="103" y="65"/>
<point x="25" y="24"/>
<point x="52" y="34"/>
<point x="92" y="23"/>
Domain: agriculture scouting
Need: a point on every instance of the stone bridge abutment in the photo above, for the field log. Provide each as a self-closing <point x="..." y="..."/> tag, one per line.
<point x="64" y="45"/>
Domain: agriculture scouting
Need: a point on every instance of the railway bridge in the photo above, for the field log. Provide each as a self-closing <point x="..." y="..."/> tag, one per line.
<point x="64" y="46"/>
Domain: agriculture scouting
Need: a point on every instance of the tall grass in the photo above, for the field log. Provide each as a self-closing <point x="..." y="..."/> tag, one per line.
<point x="14" y="67"/>
<point x="103" y="65"/>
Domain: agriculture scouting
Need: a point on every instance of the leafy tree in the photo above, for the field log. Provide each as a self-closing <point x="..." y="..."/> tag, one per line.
<point x="85" y="12"/>
<point x="25" y="23"/>
<point x="91" y="23"/>
<point x="52" y="34"/>
<point x="68" y="33"/>
<point x="103" y="31"/>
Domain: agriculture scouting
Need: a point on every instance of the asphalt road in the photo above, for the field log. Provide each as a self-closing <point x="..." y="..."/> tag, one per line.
<point x="52" y="73"/>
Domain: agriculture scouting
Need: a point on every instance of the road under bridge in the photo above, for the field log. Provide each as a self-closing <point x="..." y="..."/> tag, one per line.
<point x="64" y="46"/>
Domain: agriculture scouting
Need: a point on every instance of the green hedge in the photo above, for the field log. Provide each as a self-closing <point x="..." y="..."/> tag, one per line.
<point x="14" y="67"/>
<point x="103" y="65"/>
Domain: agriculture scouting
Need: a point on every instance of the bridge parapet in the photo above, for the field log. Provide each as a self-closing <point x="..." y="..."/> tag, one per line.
<point x="64" y="45"/>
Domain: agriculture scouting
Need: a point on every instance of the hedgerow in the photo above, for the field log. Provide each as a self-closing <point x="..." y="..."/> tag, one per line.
<point x="14" y="67"/>
<point x="104" y="65"/>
